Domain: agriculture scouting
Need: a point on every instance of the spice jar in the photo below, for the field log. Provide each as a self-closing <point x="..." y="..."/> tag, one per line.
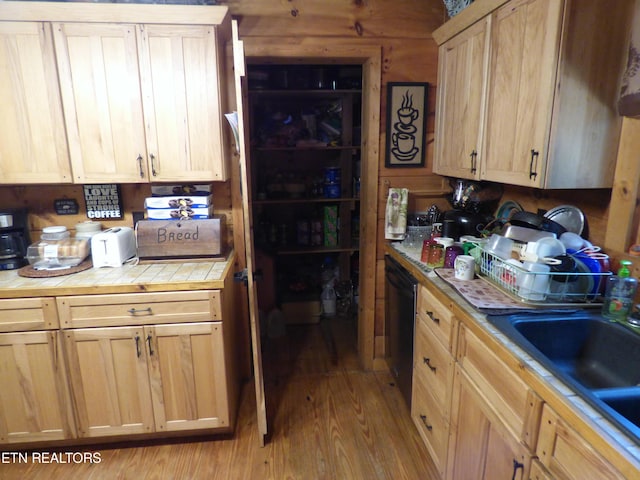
<point x="436" y="255"/>
<point x="436" y="251"/>
<point x="426" y="245"/>
<point x="450" y="254"/>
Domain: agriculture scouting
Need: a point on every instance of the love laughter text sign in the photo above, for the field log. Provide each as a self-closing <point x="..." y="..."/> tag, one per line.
<point x="104" y="201"/>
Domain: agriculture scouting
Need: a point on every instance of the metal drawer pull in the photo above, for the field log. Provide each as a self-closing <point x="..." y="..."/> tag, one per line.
<point x="149" y="338"/>
<point x="424" y="420"/>
<point x="474" y="156"/>
<point x="516" y="466"/>
<point x="140" y="160"/>
<point x="138" y="353"/>
<point x="135" y="311"/>
<point x="153" y="165"/>
<point x="430" y="315"/>
<point x="427" y="362"/>
<point x="534" y="159"/>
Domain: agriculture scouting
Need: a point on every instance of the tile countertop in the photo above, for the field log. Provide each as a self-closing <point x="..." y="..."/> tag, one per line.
<point x="144" y="277"/>
<point x="584" y="413"/>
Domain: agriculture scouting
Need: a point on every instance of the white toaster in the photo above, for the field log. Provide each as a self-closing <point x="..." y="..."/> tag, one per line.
<point x="113" y="247"/>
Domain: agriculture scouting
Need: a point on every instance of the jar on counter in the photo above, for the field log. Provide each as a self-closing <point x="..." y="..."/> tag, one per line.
<point x="450" y="254"/>
<point x="436" y="255"/>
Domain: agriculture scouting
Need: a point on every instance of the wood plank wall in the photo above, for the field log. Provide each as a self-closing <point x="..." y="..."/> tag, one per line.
<point x="39" y="201"/>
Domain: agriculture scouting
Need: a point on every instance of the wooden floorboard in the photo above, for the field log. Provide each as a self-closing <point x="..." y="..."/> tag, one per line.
<point x="329" y="420"/>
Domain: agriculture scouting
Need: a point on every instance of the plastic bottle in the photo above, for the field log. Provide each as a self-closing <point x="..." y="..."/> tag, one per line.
<point x="328" y="298"/>
<point x="621" y="289"/>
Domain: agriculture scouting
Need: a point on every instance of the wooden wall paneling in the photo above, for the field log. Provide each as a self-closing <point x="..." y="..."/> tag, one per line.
<point x="594" y="204"/>
<point x="39" y="201"/>
<point x="371" y="19"/>
<point x="622" y="227"/>
<point x="379" y="327"/>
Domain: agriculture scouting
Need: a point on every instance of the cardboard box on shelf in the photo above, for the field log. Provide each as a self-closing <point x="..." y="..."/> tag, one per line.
<point x="180" y="213"/>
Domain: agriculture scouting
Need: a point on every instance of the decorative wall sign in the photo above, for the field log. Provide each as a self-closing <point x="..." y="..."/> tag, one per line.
<point x="406" y="120"/>
<point x="65" y="206"/>
<point x="104" y="202"/>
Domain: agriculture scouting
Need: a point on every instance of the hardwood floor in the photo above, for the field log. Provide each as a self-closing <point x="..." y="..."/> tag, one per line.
<point x="328" y="419"/>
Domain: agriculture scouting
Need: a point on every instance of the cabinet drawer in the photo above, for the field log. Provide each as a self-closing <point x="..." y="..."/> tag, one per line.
<point x="566" y="454"/>
<point x="513" y="401"/>
<point x="433" y="364"/>
<point x="437" y="316"/>
<point x="24" y="314"/>
<point x="139" y="308"/>
<point x="431" y="423"/>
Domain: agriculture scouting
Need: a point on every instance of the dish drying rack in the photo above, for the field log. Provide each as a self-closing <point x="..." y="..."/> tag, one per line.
<point x="562" y="289"/>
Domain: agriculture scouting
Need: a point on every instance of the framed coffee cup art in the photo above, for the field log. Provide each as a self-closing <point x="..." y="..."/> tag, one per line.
<point x="406" y="121"/>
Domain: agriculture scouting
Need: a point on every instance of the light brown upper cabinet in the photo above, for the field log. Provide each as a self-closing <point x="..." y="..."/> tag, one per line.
<point x="549" y="116"/>
<point x="462" y="64"/>
<point x="33" y="146"/>
<point x="142" y="102"/>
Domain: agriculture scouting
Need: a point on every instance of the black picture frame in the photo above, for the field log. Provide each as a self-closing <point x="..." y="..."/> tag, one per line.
<point x="406" y="124"/>
<point x="103" y="201"/>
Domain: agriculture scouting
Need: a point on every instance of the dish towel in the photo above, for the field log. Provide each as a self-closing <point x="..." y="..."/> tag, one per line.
<point x="396" y="214"/>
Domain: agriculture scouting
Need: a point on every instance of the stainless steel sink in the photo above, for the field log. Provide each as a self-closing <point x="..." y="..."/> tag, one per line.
<point x="598" y="359"/>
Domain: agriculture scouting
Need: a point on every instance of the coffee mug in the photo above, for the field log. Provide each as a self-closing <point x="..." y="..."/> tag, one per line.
<point x="464" y="267"/>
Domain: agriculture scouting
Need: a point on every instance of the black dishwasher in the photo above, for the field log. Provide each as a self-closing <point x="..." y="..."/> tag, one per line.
<point x="400" y="311"/>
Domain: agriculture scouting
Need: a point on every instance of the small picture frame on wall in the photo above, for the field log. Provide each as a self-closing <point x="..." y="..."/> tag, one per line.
<point x="406" y="120"/>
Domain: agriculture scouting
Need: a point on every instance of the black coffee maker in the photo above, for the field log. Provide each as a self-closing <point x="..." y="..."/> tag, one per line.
<point x="14" y="238"/>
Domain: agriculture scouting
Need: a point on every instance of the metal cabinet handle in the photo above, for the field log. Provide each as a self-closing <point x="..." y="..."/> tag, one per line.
<point x="474" y="158"/>
<point x="534" y="160"/>
<point x="430" y="315"/>
<point x="149" y="338"/>
<point x="135" y="311"/>
<point x="140" y="160"/>
<point x="153" y="165"/>
<point x="424" y="420"/>
<point x="138" y="352"/>
<point x="516" y="466"/>
<point x="427" y="362"/>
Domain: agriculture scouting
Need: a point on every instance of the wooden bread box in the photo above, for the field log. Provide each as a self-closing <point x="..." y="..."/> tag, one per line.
<point x="159" y="239"/>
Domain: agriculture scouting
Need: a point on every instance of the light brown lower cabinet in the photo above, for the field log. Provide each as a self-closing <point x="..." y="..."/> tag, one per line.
<point x="159" y="378"/>
<point x="566" y="455"/>
<point x="481" y="447"/>
<point x="34" y="398"/>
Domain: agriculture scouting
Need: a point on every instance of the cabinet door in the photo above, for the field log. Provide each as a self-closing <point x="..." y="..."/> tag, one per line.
<point x="33" y="144"/>
<point x="566" y="454"/>
<point x="481" y="446"/>
<point x="100" y="85"/>
<point x="182" y="88"/>
<point x="188" y="376"/>
<point x="525" y="36"/>
<point x="462" y="64"/>
<point x="34" y="398"/>
<point x="110" y="381"/>
<point x="518" y="406"/>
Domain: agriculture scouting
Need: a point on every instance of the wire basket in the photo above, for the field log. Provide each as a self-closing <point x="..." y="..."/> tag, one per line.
<point x="541" y="288"/>
<point x="455" y="6"/>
